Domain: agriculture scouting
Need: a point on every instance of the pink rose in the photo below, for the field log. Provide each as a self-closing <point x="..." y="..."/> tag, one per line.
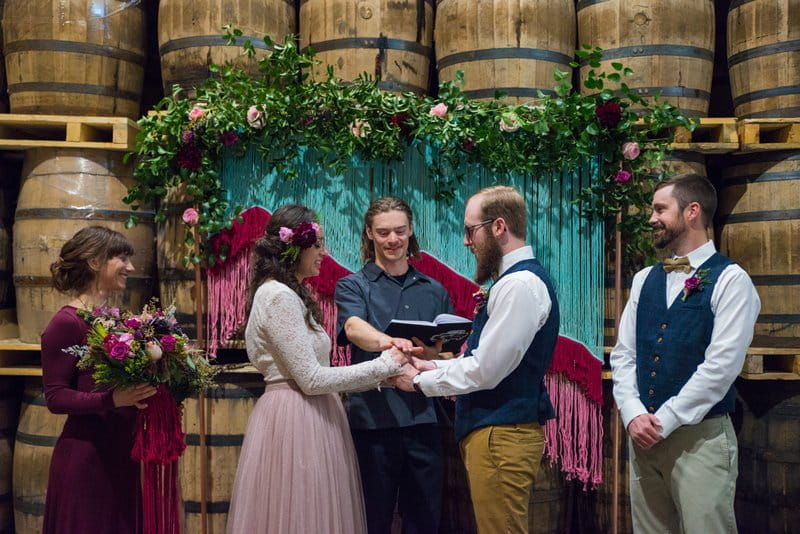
<point x="622" y="176"/>
<point x="630" y="151"/>
<point x="126" y="338"/>
<point x="255" y="118"/>
<point x="285" y="234"/>
<point x="119" y="351"/>
<point x="168" y="343"/>
<point x="109" y="341"/>
<point x="132" y="323"/>
<point x="190" y="216"/>
<point x="439" y="110"/>
<point x="113" y="312"/>
<point x="196" y="113"/>
<point x="509" y="123"/>
<point x="360" y="128"/>
<point x="317" y="229"/>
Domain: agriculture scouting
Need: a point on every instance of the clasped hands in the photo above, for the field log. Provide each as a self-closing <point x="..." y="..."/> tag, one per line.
<point x="415" y="357"/>
<point x="645" y="430"/>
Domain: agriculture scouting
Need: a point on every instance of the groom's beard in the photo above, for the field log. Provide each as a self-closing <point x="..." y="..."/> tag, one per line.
<point x="488" y="257"/>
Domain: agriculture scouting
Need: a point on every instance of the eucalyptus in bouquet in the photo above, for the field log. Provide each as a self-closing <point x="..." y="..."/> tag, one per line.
<point x="125" y="349"/>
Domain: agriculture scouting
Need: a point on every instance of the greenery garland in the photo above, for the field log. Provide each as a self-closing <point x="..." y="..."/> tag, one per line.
<point x="283" y="109"/>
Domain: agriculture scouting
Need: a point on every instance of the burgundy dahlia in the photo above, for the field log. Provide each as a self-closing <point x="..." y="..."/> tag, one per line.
<point x="609" y="114"/>
<point x="304" y="235"/>
<point x="190" y="157"/>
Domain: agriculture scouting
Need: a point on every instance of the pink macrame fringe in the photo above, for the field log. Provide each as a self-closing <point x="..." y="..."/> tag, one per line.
<point x="575" y="437"/>
<point x="158" y="445"/>
<point x="227" y="300"/>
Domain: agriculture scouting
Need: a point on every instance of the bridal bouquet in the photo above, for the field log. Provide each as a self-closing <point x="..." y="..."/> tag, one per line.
<point x="125" y="349"/>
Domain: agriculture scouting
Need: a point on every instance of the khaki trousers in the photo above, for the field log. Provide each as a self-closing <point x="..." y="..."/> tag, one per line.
<point x="501" y="463"/>
<point x="687" y="482"/>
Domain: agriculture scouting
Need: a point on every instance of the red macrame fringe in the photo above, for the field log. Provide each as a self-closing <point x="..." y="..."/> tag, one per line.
<point x="574" y="361"/>
<point x="158" y="444"/>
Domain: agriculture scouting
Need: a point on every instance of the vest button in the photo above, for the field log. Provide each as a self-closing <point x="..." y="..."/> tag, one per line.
<point x="659" y="340"/>
<point x="656" y="358"/>
<point x="652" y="373"/>
<point x="652" y="392"/>
<point x="663" y="326"/>
<point x="651" y="409"/>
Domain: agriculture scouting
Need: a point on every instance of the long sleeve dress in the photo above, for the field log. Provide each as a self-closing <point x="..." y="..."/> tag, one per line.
<point x="297" y="470"/>
<point x="93" y="485"/>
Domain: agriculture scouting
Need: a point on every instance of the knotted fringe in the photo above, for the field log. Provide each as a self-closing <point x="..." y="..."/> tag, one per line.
<point x="158" y="444"/>
<point x="575" y="437"/>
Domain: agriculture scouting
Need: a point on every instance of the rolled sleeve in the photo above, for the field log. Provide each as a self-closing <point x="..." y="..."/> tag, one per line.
<point x="350" y="302"/>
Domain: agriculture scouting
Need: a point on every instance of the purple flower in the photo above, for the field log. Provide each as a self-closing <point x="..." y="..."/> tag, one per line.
<point x="97" y="312"/>
<point x="609" y="114"/>
<point x="403" y="122"/>
<point x="187" y="137"/>
<point x="109" y="341"/>
<point x="229" y="138"/>
<point x="126" y="338"/>
<point x="692" y="283"/>
<point x="622" y="176"/>
<point x="168" y="343"/>
<point x="305" y="235"/>
<point x="119" y="351"/>
<point x="132" y="323"/>
<point x="190" y="157"/>
<point x="113" y="312"/>
<point x="468" y="145"/>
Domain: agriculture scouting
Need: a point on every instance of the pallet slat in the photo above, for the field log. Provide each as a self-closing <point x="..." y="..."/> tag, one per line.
<point x="769" y="134"/>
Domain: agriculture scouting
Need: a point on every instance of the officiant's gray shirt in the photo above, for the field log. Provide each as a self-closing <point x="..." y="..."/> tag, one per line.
<point x="377" y="298"/>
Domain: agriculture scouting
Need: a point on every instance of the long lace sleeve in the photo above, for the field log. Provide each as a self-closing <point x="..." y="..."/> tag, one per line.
<point x="280" y="321"/>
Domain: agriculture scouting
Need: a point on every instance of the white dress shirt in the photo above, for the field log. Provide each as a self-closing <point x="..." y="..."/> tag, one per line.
<point x="518" y="307"/>
<point x="735" y="305"/>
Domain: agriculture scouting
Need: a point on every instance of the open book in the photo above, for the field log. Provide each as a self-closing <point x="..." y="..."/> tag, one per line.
<point x="451" y="329"/>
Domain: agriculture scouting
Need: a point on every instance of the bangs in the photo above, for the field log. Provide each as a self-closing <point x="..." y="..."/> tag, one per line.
<point x="118" y="245"/>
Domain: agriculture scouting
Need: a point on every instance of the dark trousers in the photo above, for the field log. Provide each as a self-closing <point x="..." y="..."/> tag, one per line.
<point x="403" y="465"/>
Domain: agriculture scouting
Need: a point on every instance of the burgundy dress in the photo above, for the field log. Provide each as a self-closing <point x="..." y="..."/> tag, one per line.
<point x="94" y="485"/>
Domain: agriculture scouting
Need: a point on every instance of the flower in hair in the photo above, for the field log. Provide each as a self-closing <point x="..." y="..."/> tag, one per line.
<point x="298" y="238"/>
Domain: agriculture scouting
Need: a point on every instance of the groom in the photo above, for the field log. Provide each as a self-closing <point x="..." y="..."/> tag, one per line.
<point x="502" y="401"/>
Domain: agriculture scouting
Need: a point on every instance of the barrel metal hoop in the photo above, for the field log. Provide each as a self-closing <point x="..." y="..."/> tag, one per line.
<point x="74" y="47"/>
<point x="761" y="216"/>
<point x="35" y="440"/>
<point x="776" y="279"/>
<point x="504" y="53"/>
<point x="760" y="178"/>
<point x="216" y="440"/>
<point x="777" y="156"/>
<point x="738" y="3"/>
<point x="388" y="85"/>
<point x="587" y="3"/>
<point x="28" y="280"/>
<point x="790" y="318"/>
<point x="765" y="50"/>
<point x="429" y="2"/>
<point x="83" y="214"/>
<point x="34" y="400"/>
<point x="383" y="43"/>
<point x="624" y="52"/>
<point x="786" y="90"/>
<point x="28" y="506"/>
<point x="209" y="40"/>
<point x="58" y="87"/>
<point x="684" y="92"/>
<point x="780" y="113"/>
<point x="522" y="92"/>
<point x="212" y="507"/>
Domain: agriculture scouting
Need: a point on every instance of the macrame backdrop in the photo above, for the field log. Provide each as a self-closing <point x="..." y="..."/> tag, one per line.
<point x="569" y="246"/>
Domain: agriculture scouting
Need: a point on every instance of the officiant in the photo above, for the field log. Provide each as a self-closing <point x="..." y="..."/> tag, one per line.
<point x="397" y="435"/>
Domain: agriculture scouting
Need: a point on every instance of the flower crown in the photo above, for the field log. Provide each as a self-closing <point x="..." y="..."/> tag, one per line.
<point x="299" y="238"/>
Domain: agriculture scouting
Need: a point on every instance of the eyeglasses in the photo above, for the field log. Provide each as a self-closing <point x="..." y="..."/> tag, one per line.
<point x="470" y="230"/>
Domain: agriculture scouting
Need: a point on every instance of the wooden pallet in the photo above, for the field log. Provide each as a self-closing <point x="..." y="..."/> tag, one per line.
<point x="714" y="135"/>
<point x="769" y="134"/>
<point x="21" y="132"/>
<point x="771" y="364"/>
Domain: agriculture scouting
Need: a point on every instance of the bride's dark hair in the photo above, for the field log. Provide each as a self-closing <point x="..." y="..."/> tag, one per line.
<point x="269" y="263"/>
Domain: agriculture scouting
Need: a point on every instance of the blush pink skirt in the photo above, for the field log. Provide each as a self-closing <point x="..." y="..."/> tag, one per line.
<point x="297" y="470"/>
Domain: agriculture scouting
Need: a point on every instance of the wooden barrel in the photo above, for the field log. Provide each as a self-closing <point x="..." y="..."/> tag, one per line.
<point x="547" y="512"/>
<point x="10" y="397"/>
<point x="74" y="57"/>
<point x="190" y="36"/>
<point x="6" y="222"/>
<point x="37" y="434"/>
<point x="3" y="99"/>
<point x="176" y="281"/>
<point x="62" y="191"/>
<point x="764" y="57"/>
<point x="504" y="45"/>
<point x="758" y="221"/>
<point x="227" y="410"/>
<point x="768" y="487"/>
<point x="669" y="44"/>
<point x="389" y="40"/>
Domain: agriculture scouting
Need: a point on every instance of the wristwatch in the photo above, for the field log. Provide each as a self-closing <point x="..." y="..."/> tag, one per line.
<point x="415" y="383"/>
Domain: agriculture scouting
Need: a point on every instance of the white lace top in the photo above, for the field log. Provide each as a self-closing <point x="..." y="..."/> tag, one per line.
<point x="282" y="347"/>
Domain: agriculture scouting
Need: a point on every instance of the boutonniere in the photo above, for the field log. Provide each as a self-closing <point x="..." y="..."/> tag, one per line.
<point x="695" y="283"/>
<point x="481" y="297"/>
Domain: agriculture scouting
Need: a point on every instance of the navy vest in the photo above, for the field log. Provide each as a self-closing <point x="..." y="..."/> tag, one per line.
<point x="521" y="397"/>
<point x="671" y="342"/>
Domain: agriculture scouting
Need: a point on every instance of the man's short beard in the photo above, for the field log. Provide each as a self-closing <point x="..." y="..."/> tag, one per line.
<point x="489" y="257"/>
<point x="669" y="236"/>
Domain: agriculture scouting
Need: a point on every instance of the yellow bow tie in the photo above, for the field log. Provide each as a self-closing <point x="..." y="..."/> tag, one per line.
<point x="678" y="264"/>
